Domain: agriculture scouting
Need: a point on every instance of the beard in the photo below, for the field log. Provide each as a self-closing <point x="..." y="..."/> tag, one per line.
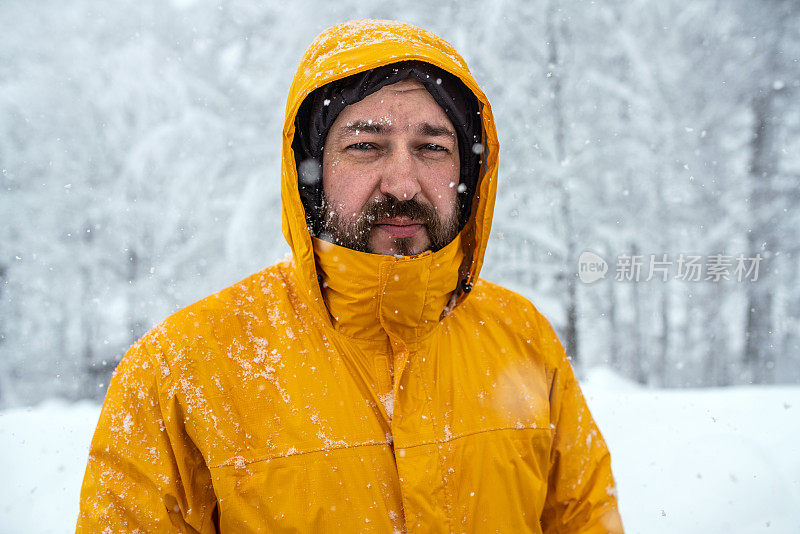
<point x="355" y="233"/>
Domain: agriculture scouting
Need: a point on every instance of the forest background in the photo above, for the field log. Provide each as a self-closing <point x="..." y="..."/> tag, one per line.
<point x="139" y="163"/>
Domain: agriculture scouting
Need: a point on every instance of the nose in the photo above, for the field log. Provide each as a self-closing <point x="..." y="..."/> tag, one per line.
<point x="400" y="176"/>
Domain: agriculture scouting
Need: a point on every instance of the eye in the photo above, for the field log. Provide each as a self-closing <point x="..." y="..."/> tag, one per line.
<point x="434" y="147"/>
<point x="361" y="146"/>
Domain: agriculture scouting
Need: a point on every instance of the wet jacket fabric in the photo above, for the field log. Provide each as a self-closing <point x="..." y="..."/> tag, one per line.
<point x="340" y="391"/>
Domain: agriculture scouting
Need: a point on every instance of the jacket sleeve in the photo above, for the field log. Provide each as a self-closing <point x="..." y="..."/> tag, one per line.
<point x="144" y="474"/>
<point x="581" y="495"/>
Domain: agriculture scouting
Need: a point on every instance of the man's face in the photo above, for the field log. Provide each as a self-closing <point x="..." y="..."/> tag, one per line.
<point x="390" y="173"/>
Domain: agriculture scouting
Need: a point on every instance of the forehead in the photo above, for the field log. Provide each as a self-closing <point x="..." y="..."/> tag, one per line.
<point x="407" y="100"/>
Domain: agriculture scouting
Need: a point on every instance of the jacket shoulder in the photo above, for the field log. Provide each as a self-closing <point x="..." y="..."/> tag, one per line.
<point x="225" y="310"/>
<point x="517" y="315"/>
<point x="493" y="299"/>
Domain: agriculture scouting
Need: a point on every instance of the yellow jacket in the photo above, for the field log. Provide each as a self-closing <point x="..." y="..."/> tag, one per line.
<point x="282" y="404"/>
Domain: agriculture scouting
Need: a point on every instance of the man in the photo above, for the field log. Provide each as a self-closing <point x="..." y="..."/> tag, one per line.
<point x="371" y="383"/>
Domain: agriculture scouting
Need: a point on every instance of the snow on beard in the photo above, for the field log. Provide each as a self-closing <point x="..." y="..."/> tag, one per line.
<point x="355" y="233"/>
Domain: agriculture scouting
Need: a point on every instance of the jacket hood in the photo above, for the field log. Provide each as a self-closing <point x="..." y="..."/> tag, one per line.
<point x="359" y="46"/>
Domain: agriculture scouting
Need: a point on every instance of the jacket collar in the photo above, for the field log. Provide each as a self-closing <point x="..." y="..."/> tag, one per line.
<point x="375" y="297"/>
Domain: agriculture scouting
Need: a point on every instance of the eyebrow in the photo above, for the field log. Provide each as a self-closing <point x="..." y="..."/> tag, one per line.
<point x="436" y="131"/>
<point x="365" y="126"/>
<point x="426" y="129"/>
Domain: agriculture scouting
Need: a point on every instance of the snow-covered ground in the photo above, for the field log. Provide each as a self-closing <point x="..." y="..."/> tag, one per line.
<point x="703" y="460"/>
<point x="687" y="461"/>
<point x="42" y="458"/>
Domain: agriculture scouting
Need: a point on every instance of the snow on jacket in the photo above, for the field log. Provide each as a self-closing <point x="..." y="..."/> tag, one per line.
<point x="282" y="404"/>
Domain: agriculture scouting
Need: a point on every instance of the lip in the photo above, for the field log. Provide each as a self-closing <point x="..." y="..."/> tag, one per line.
<point x="400" y="227"/>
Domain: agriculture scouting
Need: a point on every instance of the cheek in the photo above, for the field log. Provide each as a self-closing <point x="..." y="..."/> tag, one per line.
<point x="345" y="188"/>
<point x="443" y="187"/>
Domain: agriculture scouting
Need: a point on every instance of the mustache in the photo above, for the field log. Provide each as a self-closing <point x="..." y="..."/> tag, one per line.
<point x="390" y="207"/>
<point x="354" y="232"/>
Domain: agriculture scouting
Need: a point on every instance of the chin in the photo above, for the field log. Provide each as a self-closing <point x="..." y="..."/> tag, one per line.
<point x="406" y="246"/>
